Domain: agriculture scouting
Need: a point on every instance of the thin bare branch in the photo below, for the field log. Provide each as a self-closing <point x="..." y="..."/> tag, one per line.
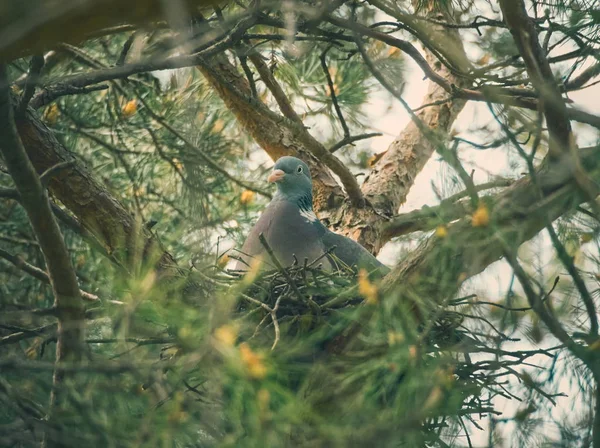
<point x="332" y="93"/>
<point x="353" y="138"/>
<point x="269" y="79"/>
<point x="52" y="93"/>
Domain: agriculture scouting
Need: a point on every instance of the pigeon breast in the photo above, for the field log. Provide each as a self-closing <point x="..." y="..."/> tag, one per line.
<point x="289" y="231"/>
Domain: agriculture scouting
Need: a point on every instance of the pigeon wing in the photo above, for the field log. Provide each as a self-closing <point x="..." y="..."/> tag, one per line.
<point x="352" y="253"/>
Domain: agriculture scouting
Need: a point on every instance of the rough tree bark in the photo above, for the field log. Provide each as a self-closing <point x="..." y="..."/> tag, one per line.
<point x="113" y="226"/>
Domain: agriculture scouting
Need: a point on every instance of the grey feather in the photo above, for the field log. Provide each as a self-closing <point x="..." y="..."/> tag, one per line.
<point x="352" y="253"/>
<point x="292" y="229"/>
<point x="288" y="233"/>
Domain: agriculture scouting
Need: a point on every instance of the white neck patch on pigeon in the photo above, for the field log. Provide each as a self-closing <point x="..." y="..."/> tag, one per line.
<point x="308" y="214"/>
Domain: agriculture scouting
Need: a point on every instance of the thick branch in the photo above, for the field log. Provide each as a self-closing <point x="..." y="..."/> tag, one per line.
<point x="438" y="267"/>
<point x="67" y="297"/>
<point x="41" y="25"/>
<point x="428" y="218"/>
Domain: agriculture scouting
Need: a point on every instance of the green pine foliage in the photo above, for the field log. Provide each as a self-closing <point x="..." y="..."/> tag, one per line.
<point x="214" y="357"/>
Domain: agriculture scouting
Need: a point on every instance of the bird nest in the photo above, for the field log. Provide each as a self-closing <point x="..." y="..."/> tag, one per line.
<point x="305" y="298"/>
<point x="300" y="297"/>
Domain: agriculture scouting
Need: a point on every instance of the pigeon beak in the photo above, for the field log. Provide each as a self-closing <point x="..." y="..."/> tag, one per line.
<point x="276" y="176"/>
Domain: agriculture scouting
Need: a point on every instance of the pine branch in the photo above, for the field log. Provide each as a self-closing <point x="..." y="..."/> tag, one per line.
<point x="457" y="91"/>
<point x="67" y="220"/>
<point x="80" y="83"/>
<point x="43" y="275"/>
<point x="438" y="267"/>
<point x="209" y="161"/>
<point x="67" y="296"/>
<point x="428" y="218"/>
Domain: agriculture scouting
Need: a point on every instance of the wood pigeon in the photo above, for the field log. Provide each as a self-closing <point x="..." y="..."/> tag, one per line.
<point x="291" y="227"/>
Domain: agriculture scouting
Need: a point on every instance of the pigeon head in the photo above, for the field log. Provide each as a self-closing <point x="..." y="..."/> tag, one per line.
<point x="292" y="177"/>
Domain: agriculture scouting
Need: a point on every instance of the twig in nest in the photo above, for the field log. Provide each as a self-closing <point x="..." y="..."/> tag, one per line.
<point x="281" y="269"/>
<point x="276" y="322"/>
<point x="326" y="253"/>
<point x="259" y="325"/>
<point x="272" y="311"/>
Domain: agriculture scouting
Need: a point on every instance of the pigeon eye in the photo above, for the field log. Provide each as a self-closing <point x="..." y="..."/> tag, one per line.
<point x="299" y="170"/>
